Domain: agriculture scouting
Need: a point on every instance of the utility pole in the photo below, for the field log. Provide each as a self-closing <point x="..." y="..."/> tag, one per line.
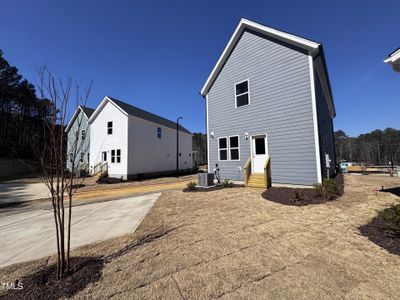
<point x="177" y="146"/>
<point x="391" y="157"/>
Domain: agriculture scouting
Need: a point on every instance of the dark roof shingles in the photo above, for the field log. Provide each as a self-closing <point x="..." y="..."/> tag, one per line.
<point x="140" y="113"/>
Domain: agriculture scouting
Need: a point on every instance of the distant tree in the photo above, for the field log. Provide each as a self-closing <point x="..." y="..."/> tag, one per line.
<point x="376" y="147"/>
<point x="200" y="145"/>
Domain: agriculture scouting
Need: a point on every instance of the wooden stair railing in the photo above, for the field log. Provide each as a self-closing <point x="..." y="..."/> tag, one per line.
<point x="100" y="168"/>
<point x="247" y="171"/>
<point x="267" y="172"/>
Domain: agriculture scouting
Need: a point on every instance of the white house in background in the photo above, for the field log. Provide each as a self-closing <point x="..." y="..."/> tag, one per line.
<point x="394" y="59"/>
<point x="135" y="143"/>
<point x="78" y="131"/>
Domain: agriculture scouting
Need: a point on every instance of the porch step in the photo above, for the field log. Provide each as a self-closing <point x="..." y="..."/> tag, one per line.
<point x="256" y="180"/>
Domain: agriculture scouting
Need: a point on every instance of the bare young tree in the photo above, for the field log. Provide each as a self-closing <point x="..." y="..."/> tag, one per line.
<point x="53" y="151"/>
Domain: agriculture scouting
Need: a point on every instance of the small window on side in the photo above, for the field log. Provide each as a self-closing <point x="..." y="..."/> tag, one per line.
<point x="109" y="127"/>
<point x="242" y="93"/>
<point x="223" y="148"/>
<point x="112" y="156"/>
<point x="118" y="155"/>
<point x="159" y="132"/>
<point x="83" y="134"/>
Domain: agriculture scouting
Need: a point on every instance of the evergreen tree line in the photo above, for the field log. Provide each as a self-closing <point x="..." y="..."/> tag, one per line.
<point x="379" y="147"/>
<point x="21" y="113"/>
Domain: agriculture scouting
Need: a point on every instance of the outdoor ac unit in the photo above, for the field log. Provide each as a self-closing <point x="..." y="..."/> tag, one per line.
<point x="205" y="179"/>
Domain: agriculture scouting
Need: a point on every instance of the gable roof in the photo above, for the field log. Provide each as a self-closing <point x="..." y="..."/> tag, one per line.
<point x="86" y="110"/>
<point x="313" y="48"/>
<point x="131" y="110"/>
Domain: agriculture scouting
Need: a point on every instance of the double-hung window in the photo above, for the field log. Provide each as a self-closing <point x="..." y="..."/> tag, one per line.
<point x="234" y="148"/>
<point x="223" y="148"/>
<point x="109" y="127"/>
<point x="242" y="93"/>
<point x="83" y="134"/>
<point x="118" y="155"/>
<point x="113" y="156"/>
<point x="116" y="158"/>
<point x="159" y="132"/>
<point x="229" y="148"/>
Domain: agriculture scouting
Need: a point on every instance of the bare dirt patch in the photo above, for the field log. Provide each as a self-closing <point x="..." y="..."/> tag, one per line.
<point x="231" y="243"/>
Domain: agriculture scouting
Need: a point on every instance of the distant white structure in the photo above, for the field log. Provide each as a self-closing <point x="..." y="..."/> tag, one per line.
<point x="394" y="60"/>
<point x="132" y="142"/>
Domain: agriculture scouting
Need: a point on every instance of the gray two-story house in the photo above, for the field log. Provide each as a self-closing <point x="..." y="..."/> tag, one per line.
<point x="269" y="103"/>
<point x="78" y="139"/>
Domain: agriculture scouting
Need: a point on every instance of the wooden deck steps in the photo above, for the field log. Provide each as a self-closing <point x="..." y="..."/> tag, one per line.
<point x="257" y="181"/>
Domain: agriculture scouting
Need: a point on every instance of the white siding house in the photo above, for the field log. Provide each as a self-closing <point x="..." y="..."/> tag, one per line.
<point x="133" y="142"/>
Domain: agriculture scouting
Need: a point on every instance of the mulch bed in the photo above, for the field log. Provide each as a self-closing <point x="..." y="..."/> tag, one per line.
<point x="378" y="232"/>
<point x="284" y="195"/>
<point x="210" y="189"/>
<point x="44" y="284"/>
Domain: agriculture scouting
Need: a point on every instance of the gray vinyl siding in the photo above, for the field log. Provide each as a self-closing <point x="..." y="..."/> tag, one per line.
<point x="82" y="146"/>
<point x="280" y="105"/>
<point x="325" y="128"/>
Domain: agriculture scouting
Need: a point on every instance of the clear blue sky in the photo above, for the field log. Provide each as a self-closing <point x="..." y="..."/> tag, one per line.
<point x="157" y="54"/>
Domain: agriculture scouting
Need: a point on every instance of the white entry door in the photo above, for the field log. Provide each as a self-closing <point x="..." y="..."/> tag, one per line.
<point x="259" y="153"/>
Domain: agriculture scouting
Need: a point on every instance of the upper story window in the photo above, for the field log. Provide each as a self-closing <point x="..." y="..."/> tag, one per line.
<point x="83" y="134"/>
<point x="76" y="135"/>
<point x="159" y="132"/>
<point x="242" y="93"/>
<point x="109" y="127"/>
<point x="223" y="148"/>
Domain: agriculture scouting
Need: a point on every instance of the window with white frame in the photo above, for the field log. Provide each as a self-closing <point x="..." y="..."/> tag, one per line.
<point x="118" y="155"/>
<point x="234" y="148"/>
<point x="109" y="127"/>
<point x="159" y="132"/>
<point x="242" y="93"/>
<point x="223" y="148"/>
<point x="104" y="155"/>
<point x="83" y="134"/>
<point x="113" y="156"/>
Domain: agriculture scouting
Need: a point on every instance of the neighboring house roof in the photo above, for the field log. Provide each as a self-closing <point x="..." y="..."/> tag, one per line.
<point x="394" y="59"/>
<point x="136" y="112"/>
<point x="313" y="48"/>
<point x="86" y="110"/>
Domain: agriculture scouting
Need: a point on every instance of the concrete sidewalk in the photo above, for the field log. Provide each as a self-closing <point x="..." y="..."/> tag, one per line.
<point x="30" y="235"/>
<point x="21" y="192"/>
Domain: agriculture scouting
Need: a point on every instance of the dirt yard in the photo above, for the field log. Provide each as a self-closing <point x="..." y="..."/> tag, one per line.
<point x="232" y="243"/>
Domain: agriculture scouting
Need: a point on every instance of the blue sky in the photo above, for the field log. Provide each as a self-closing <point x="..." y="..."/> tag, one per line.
<point x="157" y="54"/>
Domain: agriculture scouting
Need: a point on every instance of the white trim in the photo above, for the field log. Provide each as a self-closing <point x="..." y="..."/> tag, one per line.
<point x="248" y="92"/>
<point x="238" y="147"/>
<point x="315" y="119"/>
<point x="310" y="46"/>
<point x="227" y="148"/>
<point x="265" y="135"/>
<point x="208" y="138"/>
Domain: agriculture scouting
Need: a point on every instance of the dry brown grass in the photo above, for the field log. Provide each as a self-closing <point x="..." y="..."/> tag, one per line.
<point x="232" y="243"/>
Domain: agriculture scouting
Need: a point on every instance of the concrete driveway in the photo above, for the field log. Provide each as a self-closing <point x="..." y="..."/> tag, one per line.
<point x="21" y="192"/>
<point x="30" y="235"/>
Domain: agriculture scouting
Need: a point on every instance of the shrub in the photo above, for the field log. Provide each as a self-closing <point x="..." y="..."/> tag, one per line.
<point x="298" y="195"/>
<point x="109" y="180"/>
<point x="226" y="183"/>
<point x="329" y="189"/>
<point x="191" y="186"/>
<point x="392" y="216"/>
